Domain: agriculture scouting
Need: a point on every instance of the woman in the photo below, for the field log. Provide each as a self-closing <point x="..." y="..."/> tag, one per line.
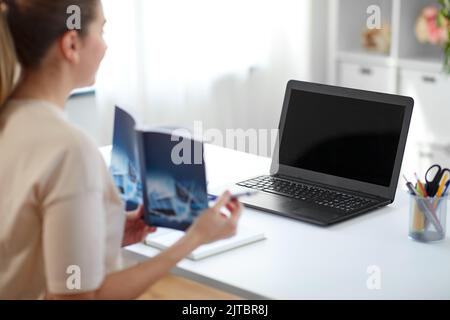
<point x="59" y="210"/>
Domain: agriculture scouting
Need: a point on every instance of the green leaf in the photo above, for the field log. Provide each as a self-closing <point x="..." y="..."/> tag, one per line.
<point x="441" y="19"/>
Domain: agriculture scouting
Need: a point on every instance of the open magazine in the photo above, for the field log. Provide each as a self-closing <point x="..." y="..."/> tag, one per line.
<point x="162" y="168"/>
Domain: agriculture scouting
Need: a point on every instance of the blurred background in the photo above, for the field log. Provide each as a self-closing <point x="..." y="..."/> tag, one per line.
<point x="227" y="63"/>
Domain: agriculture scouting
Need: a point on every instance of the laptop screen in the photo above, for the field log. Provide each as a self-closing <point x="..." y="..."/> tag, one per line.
<point x="343" y="137"/>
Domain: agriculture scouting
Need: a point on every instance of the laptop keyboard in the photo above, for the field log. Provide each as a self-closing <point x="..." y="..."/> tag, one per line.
<point x="328" y="198"/>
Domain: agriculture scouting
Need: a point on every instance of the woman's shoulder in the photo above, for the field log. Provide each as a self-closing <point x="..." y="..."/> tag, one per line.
<point x="73" y="144"/>
<point x="42" y="123"/>
<point x="56" y="151"/>
<point x="41" y="132"/>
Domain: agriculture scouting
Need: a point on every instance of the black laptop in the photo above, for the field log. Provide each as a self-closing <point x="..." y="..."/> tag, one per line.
<point x="338" y="154"/>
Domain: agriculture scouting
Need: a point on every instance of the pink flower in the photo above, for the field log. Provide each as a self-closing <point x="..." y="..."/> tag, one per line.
<point x="435" y="34"/>
<point x="430" y="12"/>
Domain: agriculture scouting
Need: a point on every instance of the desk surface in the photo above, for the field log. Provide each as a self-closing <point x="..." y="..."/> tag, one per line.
<point x="302" y="261"/>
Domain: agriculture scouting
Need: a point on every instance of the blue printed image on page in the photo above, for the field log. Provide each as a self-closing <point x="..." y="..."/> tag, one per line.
<point x="124" y="160"/>
<point x="175" y="192"/>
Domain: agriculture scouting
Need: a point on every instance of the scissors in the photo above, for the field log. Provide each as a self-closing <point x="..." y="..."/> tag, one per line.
<point x="433" y="178"/>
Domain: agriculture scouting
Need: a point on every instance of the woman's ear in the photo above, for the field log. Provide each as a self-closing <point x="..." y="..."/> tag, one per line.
<point x="70" y="45"/>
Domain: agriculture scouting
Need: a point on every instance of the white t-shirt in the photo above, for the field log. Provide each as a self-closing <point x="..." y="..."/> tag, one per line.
<point x="60" y="214"/>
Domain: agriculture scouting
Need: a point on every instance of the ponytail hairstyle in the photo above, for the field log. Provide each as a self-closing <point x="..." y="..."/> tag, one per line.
<point x="28" y="29"/>
<point x="8" y="58"/>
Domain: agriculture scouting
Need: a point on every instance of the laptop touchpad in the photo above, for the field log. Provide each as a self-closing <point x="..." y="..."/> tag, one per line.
<point x="293" y="207"/>
<point x="315" y="213"/>
<point x="270" y="202"/>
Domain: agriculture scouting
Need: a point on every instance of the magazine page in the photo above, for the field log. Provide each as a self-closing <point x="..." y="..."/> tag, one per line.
<point x="124" y="160"/>
<point x="174" y="179"/>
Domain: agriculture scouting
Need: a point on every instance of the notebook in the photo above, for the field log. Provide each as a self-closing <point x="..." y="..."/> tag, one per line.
<point x="165" y="238"/>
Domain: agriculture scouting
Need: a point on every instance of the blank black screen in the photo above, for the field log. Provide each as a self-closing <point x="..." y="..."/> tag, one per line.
<point x="343" y="137"/>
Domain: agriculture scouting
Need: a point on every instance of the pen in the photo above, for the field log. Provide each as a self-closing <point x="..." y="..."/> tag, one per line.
<point x="447" y="185"/>
<point x="440" y="190"/>
<point x="410" y="186"/>
<point x="422" y="188"/>
<point x="442" y="185"/>
<point x="444" y="194"/>
<point x="419" y="218"/>
<point x="234" y="196"/>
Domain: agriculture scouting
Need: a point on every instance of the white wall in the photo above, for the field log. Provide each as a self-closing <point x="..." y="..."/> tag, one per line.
<point x="319" y="40"/>
<point x="254" y="99"/>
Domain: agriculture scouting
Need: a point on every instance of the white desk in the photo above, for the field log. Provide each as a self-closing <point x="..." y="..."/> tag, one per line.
<point x="302" y="261"/>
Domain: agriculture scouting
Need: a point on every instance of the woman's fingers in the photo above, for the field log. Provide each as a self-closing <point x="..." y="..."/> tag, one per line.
<point x="223" y="200"/>
<point x="235" y="208"/>
<point x="140" y="212"/>
<point x="236" y="213"/>
<point x="223" y="215"/>
<point x="136" y="214"/>
<point x="151" y="229"/>
<point x="231" y="206"/>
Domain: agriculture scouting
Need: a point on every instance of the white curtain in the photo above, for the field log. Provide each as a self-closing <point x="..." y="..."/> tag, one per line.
<point x="225" y="62"/>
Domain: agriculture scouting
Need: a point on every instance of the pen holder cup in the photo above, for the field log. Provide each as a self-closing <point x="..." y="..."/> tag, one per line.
<point x="427" y="218"/>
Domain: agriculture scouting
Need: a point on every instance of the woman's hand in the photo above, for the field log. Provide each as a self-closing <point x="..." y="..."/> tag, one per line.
<point x="213" y="225"/>
<point x="135" y="228"/>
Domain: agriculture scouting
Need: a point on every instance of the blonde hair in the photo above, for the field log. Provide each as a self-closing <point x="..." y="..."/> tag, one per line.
<point x="8" y="58"/>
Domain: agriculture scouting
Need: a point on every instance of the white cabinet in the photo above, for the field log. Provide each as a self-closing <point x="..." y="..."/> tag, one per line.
<point x="432" y="153"/>
<point x="430" y="125"/>
<point x="431" y="93"/>
<point x="409" y="68"/>
<point x="361" y="76"/>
